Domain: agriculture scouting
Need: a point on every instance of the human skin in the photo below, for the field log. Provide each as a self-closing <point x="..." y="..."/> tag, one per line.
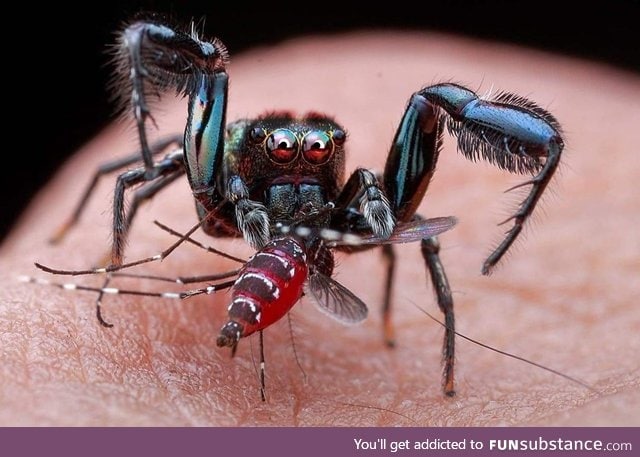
<point x="565" y="297"/>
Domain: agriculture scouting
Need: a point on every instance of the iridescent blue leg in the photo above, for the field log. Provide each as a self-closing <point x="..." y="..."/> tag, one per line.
<point x="408" y="171"/>
<point x="508" y="131"/>
<point x="511" y="132"/>
<point x="153" y="58"/>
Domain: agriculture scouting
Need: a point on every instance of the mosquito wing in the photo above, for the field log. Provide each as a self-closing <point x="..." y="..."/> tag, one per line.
<point x="336" y="300"/>
<point x="406" y="232"/>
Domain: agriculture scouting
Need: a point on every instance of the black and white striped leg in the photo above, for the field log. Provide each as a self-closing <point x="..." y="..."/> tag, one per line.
<point x="363" y="191"/>
<point x="99" y="316"/>
<point x="179" y="295"/>
<point x="263" y="389"/>
<point x="251" y="216"/>
<point x="160" y="256"/>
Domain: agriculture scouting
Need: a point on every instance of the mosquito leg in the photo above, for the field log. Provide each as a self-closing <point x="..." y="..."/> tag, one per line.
<point x="263" y="396"/>
<point x="101" y="320"/>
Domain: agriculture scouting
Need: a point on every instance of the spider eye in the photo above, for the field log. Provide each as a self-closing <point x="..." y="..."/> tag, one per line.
<point x="282" y="146"/>
<point x="317" y="147"/>
<point x="257" y="134"/>
<point x="338" y="136"/>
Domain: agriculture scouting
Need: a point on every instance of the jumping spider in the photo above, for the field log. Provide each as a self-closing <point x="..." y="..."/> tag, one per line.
<point x="253" y="176"/>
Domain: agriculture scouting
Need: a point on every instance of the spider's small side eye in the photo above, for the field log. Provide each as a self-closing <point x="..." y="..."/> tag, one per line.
<point x="282" y="146"/>
<point x="257" y="135"/>
<point x="317" y="147"/>
<point x="338" y="137"/>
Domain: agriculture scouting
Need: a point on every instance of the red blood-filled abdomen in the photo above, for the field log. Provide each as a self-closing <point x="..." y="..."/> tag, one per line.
<point x="268" y="286"/>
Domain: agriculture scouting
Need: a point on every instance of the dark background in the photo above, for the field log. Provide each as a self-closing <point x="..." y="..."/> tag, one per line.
<point x="58" y="96"/>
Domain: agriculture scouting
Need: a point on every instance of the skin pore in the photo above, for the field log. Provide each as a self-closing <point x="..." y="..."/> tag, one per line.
<point x="564" y="297"/>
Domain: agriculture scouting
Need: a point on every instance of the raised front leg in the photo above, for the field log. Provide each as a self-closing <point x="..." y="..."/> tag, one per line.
<point x="152" y="58"/>
<point x="509" y="131"/>
<point x="412" y="158"/>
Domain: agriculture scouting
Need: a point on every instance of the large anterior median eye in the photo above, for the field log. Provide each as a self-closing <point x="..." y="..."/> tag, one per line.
<point x="317" y="147"/>
<point x="282" y="146"/>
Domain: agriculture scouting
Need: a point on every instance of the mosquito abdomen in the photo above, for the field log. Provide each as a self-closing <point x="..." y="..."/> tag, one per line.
<point x="268" y="286"/>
